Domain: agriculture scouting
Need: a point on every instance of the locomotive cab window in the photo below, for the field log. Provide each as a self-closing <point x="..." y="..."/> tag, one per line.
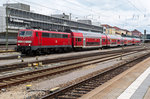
<point x="25" y="33"/>
<point x="28" y="33"/>
<point x="21" y="33"/>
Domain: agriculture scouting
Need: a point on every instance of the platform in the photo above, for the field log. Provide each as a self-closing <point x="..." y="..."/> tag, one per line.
<point x="131" y="84"/>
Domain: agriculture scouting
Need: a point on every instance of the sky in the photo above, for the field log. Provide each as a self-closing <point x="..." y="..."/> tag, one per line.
<point x="126" y="14"/>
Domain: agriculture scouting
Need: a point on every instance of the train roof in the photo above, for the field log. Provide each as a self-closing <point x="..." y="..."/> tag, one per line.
<point x="42" y="31"/>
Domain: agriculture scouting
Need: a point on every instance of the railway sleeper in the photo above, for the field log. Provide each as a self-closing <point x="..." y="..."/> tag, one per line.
<point x="65" y="97"/>
<point x="85" y="89"/>
<point x="73" y="94"/>
<point x="14" y="80"/>
<point x="91" y="85"/>
<point x="79" y="91"/>
<point x="7" y="81"/>
<point x="2" y="84"/>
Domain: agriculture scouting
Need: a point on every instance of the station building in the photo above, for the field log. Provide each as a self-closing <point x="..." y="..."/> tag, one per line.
<point x="15" y="16"/>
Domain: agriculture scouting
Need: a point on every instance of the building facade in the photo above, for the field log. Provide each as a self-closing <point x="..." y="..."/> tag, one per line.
<point x="114" y="30"/>
<point x="22" y="18"/>
<point x="85" y="21"/>
<point x="109" y="29"/>
<point x="136" y="33"/>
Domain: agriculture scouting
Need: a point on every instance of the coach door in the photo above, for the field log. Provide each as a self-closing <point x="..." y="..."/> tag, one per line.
<point x="39" y="36"/>
<point x="100" y="41"/>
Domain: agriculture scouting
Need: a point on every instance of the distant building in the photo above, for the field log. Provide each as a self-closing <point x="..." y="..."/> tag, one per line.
<point x="136" y="33"/>
<point x="129" y="33"/>
<point x="62" y="16"/>
<point x="20" y="6"/>
<point x="114" y="30"/>
<point x="96" y="23"/>
<point x="119" y="31"/>
<point x="85" y="21"/>
<point x="109" y="29"/>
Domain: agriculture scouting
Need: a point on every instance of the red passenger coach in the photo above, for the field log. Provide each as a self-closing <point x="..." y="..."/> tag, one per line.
<point x="91" y="40"/>
<point x="86" y="39"/>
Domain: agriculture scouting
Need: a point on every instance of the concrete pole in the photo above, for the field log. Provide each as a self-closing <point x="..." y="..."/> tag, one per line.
<point x="70" y="16"/>
<point x="6" y="36"/>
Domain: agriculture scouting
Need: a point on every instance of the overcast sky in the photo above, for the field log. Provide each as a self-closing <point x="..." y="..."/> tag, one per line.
<point x="127" y="14"/>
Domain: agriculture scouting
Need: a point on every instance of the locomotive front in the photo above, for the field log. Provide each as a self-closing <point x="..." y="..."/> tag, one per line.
<point x="24" y="41"/>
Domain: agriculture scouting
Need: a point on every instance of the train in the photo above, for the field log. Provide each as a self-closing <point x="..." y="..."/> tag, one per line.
<point x="33" y="41"/>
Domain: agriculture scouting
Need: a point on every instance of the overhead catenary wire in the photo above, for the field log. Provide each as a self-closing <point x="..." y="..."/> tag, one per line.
<point x="135" y="6"/>
<point x="44" y="6"/>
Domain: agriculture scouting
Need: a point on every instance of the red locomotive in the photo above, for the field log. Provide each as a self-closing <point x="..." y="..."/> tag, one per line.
<point x="31" y="41"/>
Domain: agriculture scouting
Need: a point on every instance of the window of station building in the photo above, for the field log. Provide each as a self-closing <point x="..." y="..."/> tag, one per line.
<point x="45" y="34"/>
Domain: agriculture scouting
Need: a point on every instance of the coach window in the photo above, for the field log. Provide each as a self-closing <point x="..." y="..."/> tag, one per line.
<point x="103" y="40"/>
<point x="79" y="39"/>
<point x="76" y="39"/>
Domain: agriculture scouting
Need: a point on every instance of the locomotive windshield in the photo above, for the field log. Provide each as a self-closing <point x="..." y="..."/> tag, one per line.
<point x="25" y="33"/>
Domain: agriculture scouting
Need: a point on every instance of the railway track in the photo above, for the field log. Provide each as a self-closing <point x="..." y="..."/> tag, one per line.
<point x="60" y="59"/>
<point x="23" y="56"/>
<point x="6" y="51"/>
<point x="76" y="90"/>
<point x="23" y="77"/>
